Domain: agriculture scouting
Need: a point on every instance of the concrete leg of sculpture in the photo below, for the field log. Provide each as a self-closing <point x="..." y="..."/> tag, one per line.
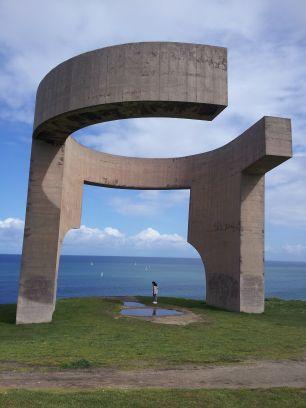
<point x="37" y="289"/>
<point x="54" y="207"/>
<point x="252" y="244"/>
<point x="226" y="227"/>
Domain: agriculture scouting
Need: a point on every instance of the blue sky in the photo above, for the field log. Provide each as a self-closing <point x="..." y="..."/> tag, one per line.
<point x="266" y="43"/>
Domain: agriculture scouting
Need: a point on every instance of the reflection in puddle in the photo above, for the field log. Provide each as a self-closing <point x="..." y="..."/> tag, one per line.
<point x="150" y="311"/>
<point x="133" y="304"/>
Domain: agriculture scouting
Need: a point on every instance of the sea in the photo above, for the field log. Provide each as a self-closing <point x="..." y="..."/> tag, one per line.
<point x="121" y="276"/>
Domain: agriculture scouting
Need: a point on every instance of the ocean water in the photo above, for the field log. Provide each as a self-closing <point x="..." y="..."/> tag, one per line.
<point x="118" y="276"/>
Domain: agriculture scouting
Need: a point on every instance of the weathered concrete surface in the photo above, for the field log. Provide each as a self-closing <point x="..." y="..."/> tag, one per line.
<point x="132" y="80"/>
<point x="226" y="223"/>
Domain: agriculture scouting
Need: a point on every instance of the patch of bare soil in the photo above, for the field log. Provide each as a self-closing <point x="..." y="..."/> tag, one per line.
<point x="263" y="374"/>
<point x="186" y="318"/>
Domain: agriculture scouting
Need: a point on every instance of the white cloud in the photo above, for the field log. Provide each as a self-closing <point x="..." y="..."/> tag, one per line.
<point x="287" y="172"/>
<point x="128" y="206"/>
<point x="93" y="236"/>
<point x="286" y="194"/>
<point x="11" y="234"/>
<point x="170" y="198"/>
<point x="113" y="232"/>
<point x="296" y="249"/>
<point x="152" y="137"/>
<point x="266" y="61"/>
<point x="110" y="236"/>
<point x="150" y="237"/>
<point x="34" y="42"/>
<point x="111" y="241"/>
<point x="149" y="202"/>
<point x="94" y="240"/>
<point x="11" y="224"/>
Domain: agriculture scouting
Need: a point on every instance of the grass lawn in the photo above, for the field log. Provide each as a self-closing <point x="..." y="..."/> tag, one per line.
<point x="85" y="333"/>
<point x="155" y="398"/>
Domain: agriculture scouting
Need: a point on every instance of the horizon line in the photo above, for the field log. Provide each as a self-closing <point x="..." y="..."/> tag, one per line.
<point x="146" y="256"/>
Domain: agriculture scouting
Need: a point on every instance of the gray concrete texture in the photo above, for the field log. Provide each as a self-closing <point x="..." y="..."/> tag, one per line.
<point x="226" y="213"/>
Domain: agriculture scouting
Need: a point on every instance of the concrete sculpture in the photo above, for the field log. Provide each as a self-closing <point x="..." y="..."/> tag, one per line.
<point x="226" y="214"/>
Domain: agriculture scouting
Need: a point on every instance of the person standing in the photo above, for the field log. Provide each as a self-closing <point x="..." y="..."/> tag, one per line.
<point x="154" y="292"/>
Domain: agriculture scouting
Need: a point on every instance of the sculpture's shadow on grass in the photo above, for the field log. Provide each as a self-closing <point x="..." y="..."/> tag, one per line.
<point x="8" y="314"/>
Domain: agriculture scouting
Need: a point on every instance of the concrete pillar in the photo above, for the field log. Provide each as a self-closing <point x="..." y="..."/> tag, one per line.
<point x="252" y="243"/>
<point x="226" y="228"/>
<point x="40" y="255"/>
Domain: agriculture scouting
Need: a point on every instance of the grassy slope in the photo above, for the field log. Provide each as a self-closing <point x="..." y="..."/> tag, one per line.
<point x="86" y="329"/>
<point x="277" y="398"/>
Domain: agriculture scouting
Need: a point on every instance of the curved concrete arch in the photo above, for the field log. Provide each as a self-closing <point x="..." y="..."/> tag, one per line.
<point x="226" y="223"/>
<point x="131" y="80"/>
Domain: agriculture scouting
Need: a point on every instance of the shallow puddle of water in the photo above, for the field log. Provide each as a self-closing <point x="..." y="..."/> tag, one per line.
<point x="150" y="312"/>
<point x="133" y="304"/>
